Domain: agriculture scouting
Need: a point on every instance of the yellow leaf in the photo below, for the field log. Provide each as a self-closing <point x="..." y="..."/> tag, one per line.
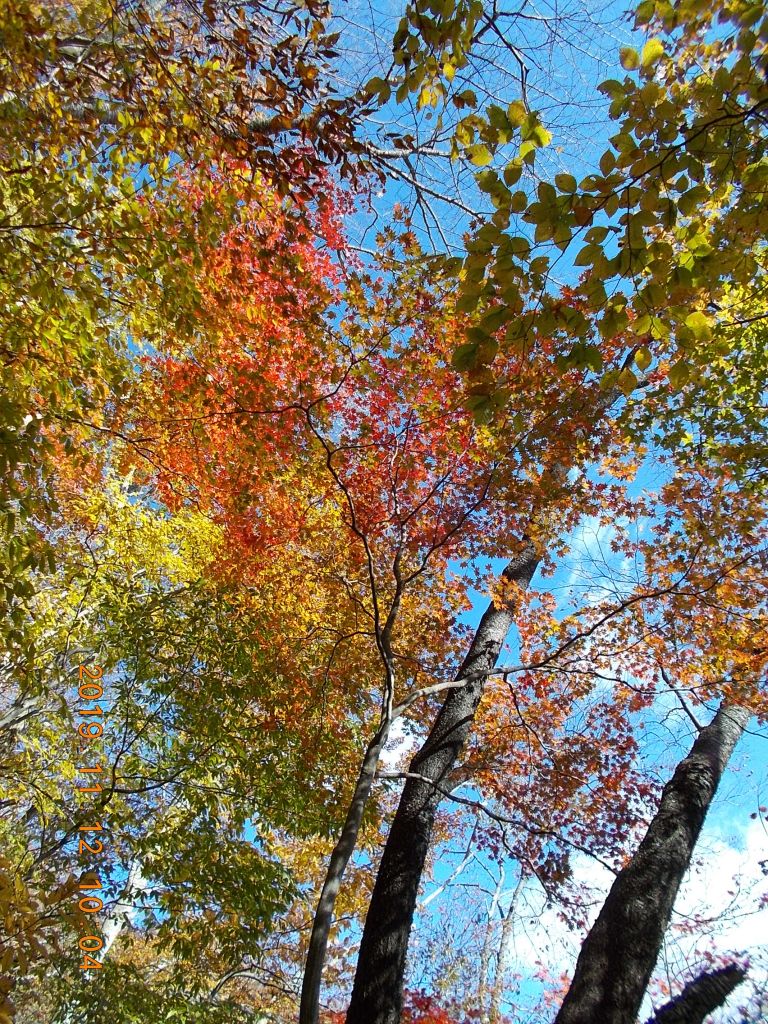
<point x="479" y="155"/>
<point x="699" y="324"/>
<point x="516" y="113"/>
<point x="643" y="358"/>
<point x="652" y="51"/>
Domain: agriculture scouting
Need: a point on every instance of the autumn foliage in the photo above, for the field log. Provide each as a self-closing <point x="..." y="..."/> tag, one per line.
<point x="270" y="478"/>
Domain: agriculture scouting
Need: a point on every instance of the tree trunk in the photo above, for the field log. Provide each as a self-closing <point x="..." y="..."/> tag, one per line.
<point x="494" y="1015"/>
<point x="622" y="947"/>
<point x="377" y="992"/>
<point x="121" y="912"/>
<point x="700" y="997"/>
<point x="309" y="1010"/>
<point x="485" y="954"/>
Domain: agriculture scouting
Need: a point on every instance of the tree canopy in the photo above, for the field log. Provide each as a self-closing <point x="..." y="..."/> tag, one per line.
<point x="341" y="559"/>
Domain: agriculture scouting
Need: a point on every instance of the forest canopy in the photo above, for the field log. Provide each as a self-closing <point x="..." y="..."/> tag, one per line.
<point x="385" y="567"/>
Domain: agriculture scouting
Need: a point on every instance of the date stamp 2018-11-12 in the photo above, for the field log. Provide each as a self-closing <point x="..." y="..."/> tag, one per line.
<point x="91" y="728"/>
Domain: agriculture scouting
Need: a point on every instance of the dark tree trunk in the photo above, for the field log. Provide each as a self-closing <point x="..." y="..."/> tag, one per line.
<point x="377" y="992"/>
<point x="700" y="997"/>
<point x="621" y="949"/>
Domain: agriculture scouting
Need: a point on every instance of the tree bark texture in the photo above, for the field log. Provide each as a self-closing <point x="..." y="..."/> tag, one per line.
<point x="621" y="949"/>
<point x="700" y="997"/>
<point x="377" y="991"/>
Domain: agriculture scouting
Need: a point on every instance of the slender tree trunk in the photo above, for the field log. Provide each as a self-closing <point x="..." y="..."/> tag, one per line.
<point x="377" y="992"/>
<point x="485" y="954"/>
<point x="622" y="947"/>
<point x="700" y="997"/>
<point x="15" y="719"/>
<point x="497" y="991"/>
<point x="313" y="971"/>
<point x="22" y="708"/>
<point x="119" y="914"/>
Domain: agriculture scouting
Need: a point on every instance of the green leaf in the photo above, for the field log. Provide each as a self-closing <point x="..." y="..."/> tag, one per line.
<point x="566" y="183"/>
<point x="597" y="235"/>
<point x="562" y="236"/>
<point x="513" y="172"/>
<point x="486" y="351"/>
<point x="613" y="322"/>
<point x="477" y="336"/>
<point x="467" y="301"/>
<point x="499" y="399"/>
<point x="587" y="256"/>
<point x="465" y="357"/>
<point x="627" y="381"/>
<point x="518" y="246"/>
<point x="481" y="407"/>
<point x="679" y="373"/>
<point x="497" y="118"/>
<point x="641" y="325"/>
<point x="611" y="87"/>
<point x="492" y="322"/>
<point x="584" y="356"/>
<point x="607" y="162"/>
<point x="548" y="196"/>
<point x="380" y="87"/>
<point x="488" y="181"/>
<point x="630" y="59"/>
